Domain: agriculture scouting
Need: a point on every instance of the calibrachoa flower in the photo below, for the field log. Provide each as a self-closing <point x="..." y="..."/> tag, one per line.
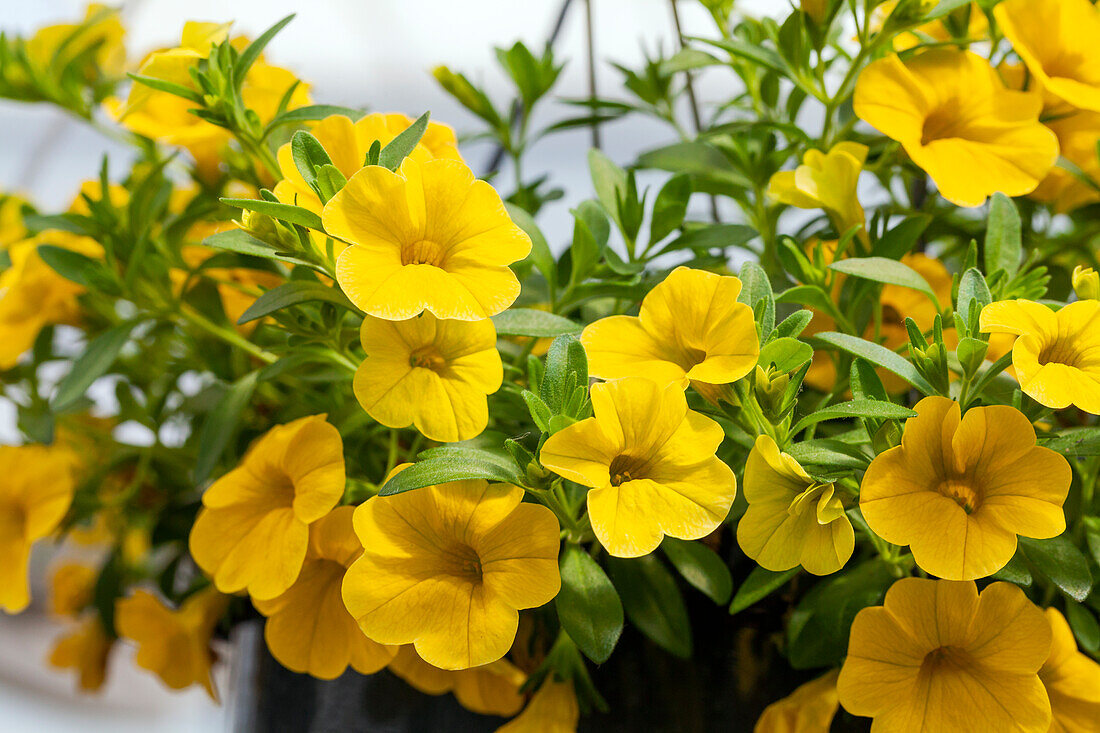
<point x="308" y="629"/>
<point x="958" y="491"/>
<point x="448" y="567"/>
<point x="936" y="656"/>
<point x="809" y="709"/>
<point x="173" y="644"/>
<point x="1086" y="283"/>
<point x="826" y="181"/>
<point x="253" y="530"/>
<point x="650" y="462"/>
<point x="553" y="709"/>
<point x="1072" y="681"/>
<point x="957" y="121"/>
<point x="34" y="496"/>
<point x="60" y="44"/>
<point x="430" y="373"/>
<point x="690" y="329"/>
<point x="1056" y="353"/>
<point x="1057" y="41"/>
<point x="428" y="237"/>
<point x="71" y="589"/>
<point x="491" y="689"/>
<point x="85" y="649"/>
<point x="1077" y="133"/>
<point x="792" y="519"/>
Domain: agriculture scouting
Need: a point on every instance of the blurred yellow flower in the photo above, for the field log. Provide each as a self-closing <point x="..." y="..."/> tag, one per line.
<point x="553" y="709"/>
<point x="308" y="629"/>
<point x="1077" y="133"/>
<point x="938" y="657"/>
<point x="238" y="287"/>
<point x="35" y="494"/>
<point x="899" y="302"/>
<point x="690" y="329"/>
<point x="85" y="649"/>
<point x="936" y="31"/>
<point x="814" y="8"/>
<point x="11" y="220"/>
<point x="1057" y="41"/>
<point x="826" y="181"/>
<point x="173" y="644"/>
<point x="809" y="709"/>
<point x="71" y="588"/>
<point x="957" y="121"/>
<point x="1072" y="681"/>
<point x="92" y="189"/>
<point x="448" y="567"/>
<point x="792" y="519"/>
<point x="958" y="491"/>
<point x="429" y="237"/>
<point x="491" y="689"/>
<point x="1086" y="283"/>
<point x="651" y="465"/>
<point x="253" y="530"/>
<point x="59" y="45"/>
<point x="1056" y="354"/>
<point x="430" y="373"/>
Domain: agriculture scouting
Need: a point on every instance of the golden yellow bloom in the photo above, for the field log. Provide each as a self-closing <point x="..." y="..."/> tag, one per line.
<point x="11" y="220"/>
<point x="1057" y="41"/>
<point x="1056" y="354"/>
<point x="308" y="629"/>
<point x="448" y="567"/>
<point x="651" y="464"/>
<point x="957" y="121"/>
<point x="85" y="648"/>
<point x="690" y="329"/>
<point x="553" y="709"/>
<point x="792" y="519"/>
<point x="430" y="373"/>
<point x="1086" y="283"/>
<point x="253" y="530"/>
<point x="938" y="657"/>
<point x="60" y="44"/>
<point x="71" y="588"/>
<point x="117" y="195"/>
<point x="1072" y="681"/>
<point x="173" y="644"/>
<point x="1077" y="133"/>
<point x="34" y="496"/>
<point x="935" y="31"/>
<point x="429" y="237"/>
<point x="958" y="491"/>
<point x="238" y="287"/>
<point x="809" y="709"/>
<point x="491" y="689"/>
<point x="826" y="181"/>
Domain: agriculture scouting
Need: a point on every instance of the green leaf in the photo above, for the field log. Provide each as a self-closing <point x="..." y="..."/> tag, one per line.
<point x="285" y="212"/>
<point x="566" y="357"/>
<point x="884" y="270"/>
<point x="541" y="256"/>
<point x="701" y="567"/>
<point x="1015" y="571"/>
<point x="292" y="293"/>
<point x="97" y="358"/>
<point x="1077" y="442"/>
<point x="609" y="180"/>
<point x="688" y="59"/>
<point x="309" y="155"/>
<point x="865" y="382"/>
<point x="711" y="236"/>
<point x="653" y="602"/>
<point x="855" y="408"/>
<point x="1092" y="537"/>
<point x="670" y="208"/>
<point x="697" y="158"/>
<point x="879" y="356"/>
<point x="454" y="464"/>
<point x="946" y="7"/>
<point x="1084" y="626"/>
<point x="241" y="242"/>
<point x="1003" y="236"/>
<point x="532" y="322"/>
<point x="760" y="584"/>
<point x="794" y="324"/>
<point x="1060" y="561"/>
<point x="757" y="288"/>
<point x="252" y="53"/>
<point x="588" y="605"/>
<point x="540" y="412"/>
<point x="752" y="52"/>
<point x="313" y="112"/>
<point x="972" y="290"/>
<point x="786" y="353"/>
<point x="69" y="264"/>
<point x="177" y="90"/>
<point x="901" y="239"/>
<point x="220" y="425"/>
<point x="406" y="141"/>
<point x="590" y="234"/>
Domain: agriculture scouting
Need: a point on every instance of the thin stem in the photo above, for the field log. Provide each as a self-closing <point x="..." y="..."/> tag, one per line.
<point x="227" y="335"/>
<point x="590" y="39"/>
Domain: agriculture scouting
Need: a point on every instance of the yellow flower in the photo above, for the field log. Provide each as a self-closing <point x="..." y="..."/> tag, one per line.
<point x="959" y="491"/>
<point x="1086" y="283"/>
<point x="815" y="9"/>
<point x="935" y="31"/>
<point x="117" y="195"/>
<point x="690" y="329"/>
<point x="1056" y="354"/>
<point x="553" y="709"/>
<point x="650" y="463"/>
<point x="958" y="122"/>
<point x="1057" y="41"/>
<point x="71" y="588"/>
<point x="11" y="220"/>
<point x="59" y="45"/>
<point x="85" y="648"/>
<point x="308" y="629"/>
<point x="809" y="709"/>
<point x="826" y="181"/>
<point x="1072" y="681"/>
<point x="238" y="287"/>
<point x="431" y="373"/>
<point x="939" y="657"/>
<point x="448" y="567"/>
<point x="1077" y="133"/>
<point x="430" y="237"/>
<point x="792" y="519"/>
<point x="491" y="689"/>
<point x="35" y="494"/>
<point x="253" y="530"/>
<point x="173" y="644"/>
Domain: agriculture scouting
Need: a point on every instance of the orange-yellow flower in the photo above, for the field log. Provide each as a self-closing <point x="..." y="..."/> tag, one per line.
<point x="957" y="121"/>
<point x="690" y="329"/>
<point x="1072" y="681"/>
<point x="253" y="530"/>
<point x="430" y="373"/>
<point x="71" y="588"/>
<point x="1056" y="354"/>
<point x="809" y="709"/>
<point x="85" y="649"/>
<point x="553" y="709"/>
<point x="826" y="181"/>
<point x="428" y="237"/>
<point x="308" y="629"/>
<point x="937" y="656"/>
<point x="447" y="568"/>
<point x="958" y="491"/>
<point x="651" y="465"/>
<point x="491" y="689"/>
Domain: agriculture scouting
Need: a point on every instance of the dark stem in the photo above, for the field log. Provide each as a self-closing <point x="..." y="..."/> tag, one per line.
<point x="590" y="35"/>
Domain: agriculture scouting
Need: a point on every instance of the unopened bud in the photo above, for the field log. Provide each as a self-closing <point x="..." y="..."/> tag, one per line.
<point x="1086" y="283"/>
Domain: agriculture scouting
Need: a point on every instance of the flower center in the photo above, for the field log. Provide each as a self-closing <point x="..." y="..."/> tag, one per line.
<point x="625" y="468"/>
<point x="1062" y="350"/>
<point x="426" y="357"/>
<point x="423" y="252"/>
<point x="962" y="493"/>
<point x="464" y="562"/>
<point x="945" y="659"/>
<point x="943" y="123"/>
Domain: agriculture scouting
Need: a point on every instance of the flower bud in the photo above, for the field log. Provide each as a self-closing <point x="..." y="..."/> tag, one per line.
<point x="1086" y="283"/>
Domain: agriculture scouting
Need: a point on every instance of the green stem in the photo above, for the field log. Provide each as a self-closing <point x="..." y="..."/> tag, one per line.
<point x="227" y="335"/>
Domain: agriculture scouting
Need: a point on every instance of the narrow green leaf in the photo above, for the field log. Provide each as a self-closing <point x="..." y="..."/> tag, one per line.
<point x="855" y="408"/>
<point x="588" y="605"/>
<point x="309" y="155"/>
<point x="787" y="354"/>
<point x="712" y="236"/>
<point x="406" y="141"/>
<point x="879" y="356"/>
<point x="670" y="207"/>
<point x="252" y="53"/>
<point x="454" y="464"/>
<point x="1003" y="236"/>
<point x="884" y="270"/>
<point x="532" y="322"/>
<point x="972" y="290"/>
<point x="69" y="264"/>
<point x="701" y="567"/>
<point x="220" y="425"/>
<point x="541" y="256"/>
<point x="293" y="293"/>
<point x="178" y="90"/>
<point x="241" y="242"/>
<point x="313" y="112"/>
<point x="609" y="180"/>
<point x="565" y="357"/>
<point x="760" y="584"/>
<point x="900" y="240"/>
<point x="757" y="288"/>
<point x="1061" y="561"/>
<point x="285" y="212"/>
<point x="97" y="358"/>
<point x="653" y="602"/>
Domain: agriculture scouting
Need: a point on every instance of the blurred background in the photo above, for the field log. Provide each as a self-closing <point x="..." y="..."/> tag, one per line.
<point x="360" y="53"/>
